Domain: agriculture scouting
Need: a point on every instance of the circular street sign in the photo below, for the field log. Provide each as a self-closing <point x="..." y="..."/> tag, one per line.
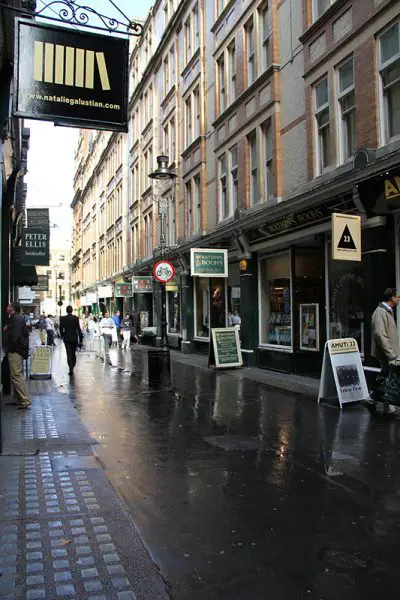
<point x="60" y="303"/>
<point x="163" y="271"/>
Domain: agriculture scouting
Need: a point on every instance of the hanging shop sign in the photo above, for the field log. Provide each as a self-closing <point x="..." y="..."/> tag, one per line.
<point x="35" y="246"/>
<point x="208" y="262"/>
<point x="342" y="374"/>
<point x="163" y="271"/>
<point x="172" y="286"/>
<point x="346" y="237"/>
<point x="42" y="284"/>
<point x="37" y="217"/>
<point x="105" y="291"/>
<point x="142" y="285"/>
<point x="91" y="297"/>
<point x="123" y="290"/>
<point x="69" y="76"/>
<point x="224" y="349"/>
<point x="83" y="301"/>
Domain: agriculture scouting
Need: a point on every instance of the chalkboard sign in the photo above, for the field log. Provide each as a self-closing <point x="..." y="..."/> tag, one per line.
<point x="226" y="346"/>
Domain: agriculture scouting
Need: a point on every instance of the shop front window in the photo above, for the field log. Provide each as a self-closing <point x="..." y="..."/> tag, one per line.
<point x="202" y="307"/>
<point x="346" y="317"/>
<point x="217" y="303"/>
<point x="174" y="312"/>
<point x="276" y="310"/>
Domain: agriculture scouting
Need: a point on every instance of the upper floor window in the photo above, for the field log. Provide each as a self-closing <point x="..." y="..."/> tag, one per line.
<point x="250" y="54"/>
<point x="232" y="72"/>
<point x="223" y="192"/>
<point x="322" y="119"/>
<point x="221" y="84"/>
<point x="188" y="122"/>
<point x="347" y="110"/>
<point x="265" y="26"/>
<point x="196" y="103"/>
<point x="389" y="67"/>
<point x="188" y="40"/>
<point x="189" y="206"/>
<point x="268" y="161"/>
<point x="234" y="179"/>
<point x="320" y="6"/>
<point x="196" y="27"/>
<point x="253" y="169"/>
<point x="197" y="203"/>
<point x="167" y="84"/>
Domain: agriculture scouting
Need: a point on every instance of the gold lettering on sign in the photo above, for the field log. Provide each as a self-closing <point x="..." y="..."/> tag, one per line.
<point x="392" y="188"/>
<point x="65" y="65"/>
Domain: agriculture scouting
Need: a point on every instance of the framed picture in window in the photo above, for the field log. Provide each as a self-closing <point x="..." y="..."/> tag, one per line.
<point x="309" y="327"/>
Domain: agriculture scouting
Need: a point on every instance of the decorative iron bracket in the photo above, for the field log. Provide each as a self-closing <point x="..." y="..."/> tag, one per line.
<point x="73" y="13"/>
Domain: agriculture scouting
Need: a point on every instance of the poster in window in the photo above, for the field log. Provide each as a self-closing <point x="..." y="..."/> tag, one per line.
<point x="309" y="327"/>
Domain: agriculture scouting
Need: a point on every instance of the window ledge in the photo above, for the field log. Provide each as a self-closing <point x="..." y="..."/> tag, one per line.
<point x="148" y="126"/>
<point x="168" y="96"/>
<point x="222" y="15"/>
<point x="322" y="20"/>
<point x="191" y="146"/>
<point x="247" y="92"/>
<point x="276" y="348"/>
<point x="201" y="339"/>
<point x="191" y="62"/>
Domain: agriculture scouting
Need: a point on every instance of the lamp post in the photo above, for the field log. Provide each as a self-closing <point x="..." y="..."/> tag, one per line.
<point x="163" y="375"/>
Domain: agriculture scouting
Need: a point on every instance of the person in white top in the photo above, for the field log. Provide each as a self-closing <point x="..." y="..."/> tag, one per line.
<point x="50" y="330"/>
<point x="107" y="326"/>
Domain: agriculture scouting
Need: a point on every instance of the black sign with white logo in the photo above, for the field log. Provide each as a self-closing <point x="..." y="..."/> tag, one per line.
<point x="35" y="246"/>
<point x="38" y="217"/>
<point x="42" y="284"/>
<point x="70" y="77"/>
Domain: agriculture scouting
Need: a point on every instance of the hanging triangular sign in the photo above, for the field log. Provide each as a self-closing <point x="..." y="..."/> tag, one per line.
<point x="346" y="241"/>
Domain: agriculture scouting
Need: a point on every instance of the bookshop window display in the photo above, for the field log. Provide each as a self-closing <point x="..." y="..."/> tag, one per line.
<point x="276" y="309"/>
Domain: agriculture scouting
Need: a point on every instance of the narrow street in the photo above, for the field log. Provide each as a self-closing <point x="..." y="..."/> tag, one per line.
<point x="240" y="491"/>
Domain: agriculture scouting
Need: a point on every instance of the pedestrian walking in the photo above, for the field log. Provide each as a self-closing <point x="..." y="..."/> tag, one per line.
<point x="50" y="330"/>
<point x="91" y="327"/>
<point x="117" y="321"/>
<point x="42" y="329"/>
<point x="107" y="326"/>
<point x="16" y="340"/>
<point x="135" y="318"/>
<point x="385" y="341"/>
<point x="71" y="333"/>
<point x="126" y="330"/>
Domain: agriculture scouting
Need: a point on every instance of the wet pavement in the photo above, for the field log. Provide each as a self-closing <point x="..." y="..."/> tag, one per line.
<point x="244" y="492"/>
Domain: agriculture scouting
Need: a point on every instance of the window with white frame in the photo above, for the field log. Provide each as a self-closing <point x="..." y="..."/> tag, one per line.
<point x="197" y="203"/>
<point x="137" y="181"/>
<point x="188" y="121"/>
<point x="196" y="27"/>
<point x="233" y="179"/>
<point x="172" y="65"/>
<point x="321" y="6"/>
<point x="172" y="136"/>
<point x="389" y="68"/>
<point x="166" y="138"/>
<point x="196" y="105"/>
<point x="323" y="129"/>
<point x="202" y="307"/>
<point x="189" y="207"/>
<point x="166" y="75"/>
<point x="221" y="84"/>
<point x="232" y="72"/>
<point x="172" y="221"/>
<point x="253" y="169"/>
<point x="223" y="190"/>
<point x="150" y="101"/>
<point x="347" y="110"/>
<point x="250" y="54"/>
<point x="265" y="23"/>
<point x="188" y="40"/>
<point x="268" y="161"/>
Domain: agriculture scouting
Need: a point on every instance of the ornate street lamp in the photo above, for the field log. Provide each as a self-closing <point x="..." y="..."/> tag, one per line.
<point x="163" y="174"/>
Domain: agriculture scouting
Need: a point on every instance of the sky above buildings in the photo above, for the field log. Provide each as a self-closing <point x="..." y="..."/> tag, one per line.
<point x="51" y="154"/>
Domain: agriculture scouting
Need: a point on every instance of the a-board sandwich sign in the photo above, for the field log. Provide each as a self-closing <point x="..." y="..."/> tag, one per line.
<point x="342" y="374"/>
<point x="41" y="362"/>
<point x="70" y="77"/>
<point x="225" y="348"/>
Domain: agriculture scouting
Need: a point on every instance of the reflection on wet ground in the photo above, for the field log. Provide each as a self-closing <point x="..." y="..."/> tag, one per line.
<point x="243" y="492"/>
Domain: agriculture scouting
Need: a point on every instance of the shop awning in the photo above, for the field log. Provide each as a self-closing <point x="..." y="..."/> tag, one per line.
<point x="24" y="275"/>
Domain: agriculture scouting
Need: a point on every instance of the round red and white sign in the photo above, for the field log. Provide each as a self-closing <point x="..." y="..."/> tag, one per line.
<point x="163" y="271"/>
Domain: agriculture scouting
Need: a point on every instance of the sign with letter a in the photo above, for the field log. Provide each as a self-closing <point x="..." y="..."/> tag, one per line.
<point x="342" y="374"/>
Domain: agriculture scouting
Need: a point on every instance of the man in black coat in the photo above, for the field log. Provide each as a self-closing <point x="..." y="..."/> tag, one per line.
<point x="71" y="333"/>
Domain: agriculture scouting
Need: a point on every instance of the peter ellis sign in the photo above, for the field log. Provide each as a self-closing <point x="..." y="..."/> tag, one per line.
<point x="70" y="77"/>
<point x="35" y="246"/>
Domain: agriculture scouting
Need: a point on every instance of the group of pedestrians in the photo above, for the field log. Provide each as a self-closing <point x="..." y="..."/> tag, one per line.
<point x="47" y="330"/>
<point x="115" y="329"/>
